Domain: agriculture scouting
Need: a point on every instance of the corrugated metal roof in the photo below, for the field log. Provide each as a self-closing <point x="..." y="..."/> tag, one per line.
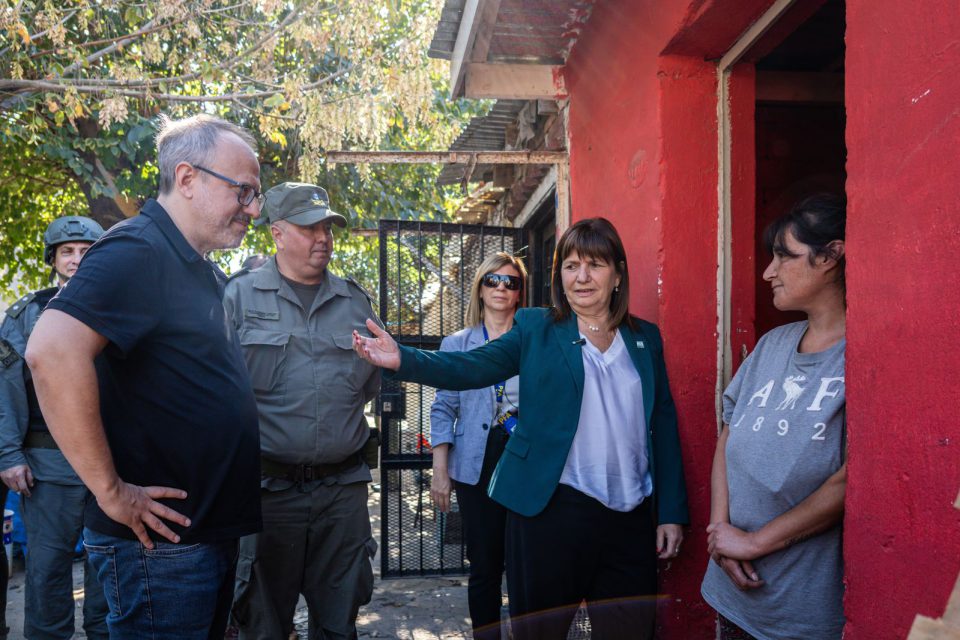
<point x="484" y="133"/>
<point x="526" y="31"/>
<point x="445" y="37"/>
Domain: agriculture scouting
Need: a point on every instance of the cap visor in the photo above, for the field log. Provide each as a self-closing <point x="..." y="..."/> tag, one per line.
<point x="314" y="216"/>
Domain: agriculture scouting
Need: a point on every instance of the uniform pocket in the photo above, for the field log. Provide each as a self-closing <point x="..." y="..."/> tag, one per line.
<point x="265" y="352"/>
<point x="347" y="362"/>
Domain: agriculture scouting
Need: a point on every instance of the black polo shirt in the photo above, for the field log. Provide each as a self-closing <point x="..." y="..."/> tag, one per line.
<point x="175" y="397"/>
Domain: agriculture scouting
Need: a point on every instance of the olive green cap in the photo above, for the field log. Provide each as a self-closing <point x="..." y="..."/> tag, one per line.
<point x="300" y="204"/>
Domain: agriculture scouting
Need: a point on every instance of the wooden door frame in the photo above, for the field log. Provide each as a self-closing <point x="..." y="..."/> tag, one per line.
<point x="736" y="186"/>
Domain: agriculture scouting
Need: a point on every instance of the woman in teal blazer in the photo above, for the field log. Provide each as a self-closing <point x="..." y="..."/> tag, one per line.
<point x="592" y="474"/>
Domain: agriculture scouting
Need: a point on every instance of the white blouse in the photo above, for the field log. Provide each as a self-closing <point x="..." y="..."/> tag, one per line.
<point x="608" y="459"/>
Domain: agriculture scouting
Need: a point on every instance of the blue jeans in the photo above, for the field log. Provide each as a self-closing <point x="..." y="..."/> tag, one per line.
<point x="172" y="591"/>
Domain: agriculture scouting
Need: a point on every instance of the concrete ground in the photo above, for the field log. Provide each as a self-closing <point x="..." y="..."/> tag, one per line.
<point x="406" y="609"/>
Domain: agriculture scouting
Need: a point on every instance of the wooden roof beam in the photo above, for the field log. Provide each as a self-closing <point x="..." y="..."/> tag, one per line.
<point x="447" y="157"/>
<point x="514" y="81"/>
<point x="473" y="40"/>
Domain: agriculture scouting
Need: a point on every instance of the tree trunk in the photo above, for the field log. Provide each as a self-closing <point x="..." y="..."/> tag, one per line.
<point x="105" y="209"/>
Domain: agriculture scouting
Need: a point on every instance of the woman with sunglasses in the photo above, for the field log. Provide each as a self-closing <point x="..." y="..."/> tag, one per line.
<point x="468" y="431"/>
<point x="591" y="476"/>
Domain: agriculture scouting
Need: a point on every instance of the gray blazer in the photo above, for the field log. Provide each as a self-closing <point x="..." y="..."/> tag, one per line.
<point x="462" y="419"/>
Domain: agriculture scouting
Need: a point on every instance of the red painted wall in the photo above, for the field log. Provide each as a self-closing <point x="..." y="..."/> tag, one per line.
<point x="902" y="536"/>
<point x="613" y="124"/>
<point x="642" y="127"/>
<point x="661" y="194"/>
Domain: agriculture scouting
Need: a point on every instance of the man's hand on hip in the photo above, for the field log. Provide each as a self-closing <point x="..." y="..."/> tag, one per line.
<point x="137" y="508"/>
<point x="19" y="478"/>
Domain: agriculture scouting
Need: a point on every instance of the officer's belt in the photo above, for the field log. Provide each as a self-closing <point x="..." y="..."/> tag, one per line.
<point x="39" y="440"/>
<point x="306" y="472"/>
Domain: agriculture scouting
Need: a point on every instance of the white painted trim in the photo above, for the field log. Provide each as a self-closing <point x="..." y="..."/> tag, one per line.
<point x="462" y="46"/>
<point x="753" y="34"/>
<point x="544" y="190"/>
<point x="723" y="241"/>
<point x="724" y="249"/>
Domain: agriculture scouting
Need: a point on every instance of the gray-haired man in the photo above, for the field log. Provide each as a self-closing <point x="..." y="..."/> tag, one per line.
<point x="163" y="426"/>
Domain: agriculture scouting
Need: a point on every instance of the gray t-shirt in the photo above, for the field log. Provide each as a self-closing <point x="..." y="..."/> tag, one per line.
<point x="786" y="415"/>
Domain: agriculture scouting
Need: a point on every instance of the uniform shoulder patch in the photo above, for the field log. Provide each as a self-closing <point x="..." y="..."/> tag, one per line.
<point x="8" y="355"/>
<point x="360" y="287"/>
<point x="17" y="307"/>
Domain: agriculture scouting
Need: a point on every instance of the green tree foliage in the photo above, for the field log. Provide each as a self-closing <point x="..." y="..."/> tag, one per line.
<point x="82" y="81"/>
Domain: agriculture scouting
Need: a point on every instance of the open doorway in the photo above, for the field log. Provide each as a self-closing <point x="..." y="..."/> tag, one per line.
<point x="800" y="122"/>
<point x="784" y="122"/>
<point x="542" y="230"/>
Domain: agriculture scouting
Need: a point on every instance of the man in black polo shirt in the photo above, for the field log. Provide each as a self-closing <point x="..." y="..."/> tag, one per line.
<point x="140" y="377"/>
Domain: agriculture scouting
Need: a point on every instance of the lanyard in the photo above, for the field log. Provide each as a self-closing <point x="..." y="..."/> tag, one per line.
<point x="500" y="388"/>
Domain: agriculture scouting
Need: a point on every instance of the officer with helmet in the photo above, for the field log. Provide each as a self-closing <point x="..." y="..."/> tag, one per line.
<point x="52" y="497"/>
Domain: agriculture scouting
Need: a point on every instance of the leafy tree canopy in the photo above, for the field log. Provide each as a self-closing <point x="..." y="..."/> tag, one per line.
<point x="82" y="81"/>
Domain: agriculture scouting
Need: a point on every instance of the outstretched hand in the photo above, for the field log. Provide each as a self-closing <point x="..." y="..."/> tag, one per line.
<point x="380" y="350"/>
<point x="137" y="508"/>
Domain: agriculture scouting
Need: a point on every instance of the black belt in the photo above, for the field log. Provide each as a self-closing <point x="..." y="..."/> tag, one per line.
<point x="301" y="473"/>
<point x="39" y="440"/>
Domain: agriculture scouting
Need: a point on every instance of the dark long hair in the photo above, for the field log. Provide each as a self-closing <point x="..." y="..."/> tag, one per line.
<point x="598" y="239"/>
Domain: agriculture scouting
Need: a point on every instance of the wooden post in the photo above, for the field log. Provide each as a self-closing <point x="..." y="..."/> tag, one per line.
<point x="563" y="197"/>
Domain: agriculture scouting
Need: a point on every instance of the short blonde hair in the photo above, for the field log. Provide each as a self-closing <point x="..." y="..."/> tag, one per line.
<point x="492" y="263"/>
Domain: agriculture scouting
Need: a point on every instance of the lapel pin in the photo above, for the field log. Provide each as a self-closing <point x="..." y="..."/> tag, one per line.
<point x="639" y="344"/>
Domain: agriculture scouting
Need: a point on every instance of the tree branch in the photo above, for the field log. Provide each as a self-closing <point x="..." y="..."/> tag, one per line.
<point x="97" y="43"/>
<point x="37" y="36"/>
<point x="93" y="57"/>
<point x="65" y="84"/>
<point x="291" y="18"/>
<point x="12" y="177"/>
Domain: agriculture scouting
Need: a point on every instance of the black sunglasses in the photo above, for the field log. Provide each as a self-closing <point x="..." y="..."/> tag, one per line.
<point x="247" y="194"/>
<point x="493" y="280"/>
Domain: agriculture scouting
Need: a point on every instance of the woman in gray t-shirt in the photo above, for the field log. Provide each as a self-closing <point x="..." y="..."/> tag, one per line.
<point x="779" y="472"/>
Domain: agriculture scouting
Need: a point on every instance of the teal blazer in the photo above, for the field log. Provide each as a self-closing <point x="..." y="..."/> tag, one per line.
<point x="548" y="358"/>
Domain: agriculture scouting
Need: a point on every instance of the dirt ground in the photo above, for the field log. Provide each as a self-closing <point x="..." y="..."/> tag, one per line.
<point x="407" y="609"/>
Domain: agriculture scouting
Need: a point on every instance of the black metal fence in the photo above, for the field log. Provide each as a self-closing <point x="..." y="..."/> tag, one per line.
<point x="426" y="269"/>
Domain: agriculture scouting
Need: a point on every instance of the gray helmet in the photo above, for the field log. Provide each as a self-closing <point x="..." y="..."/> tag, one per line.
<point x="69" y="229"/>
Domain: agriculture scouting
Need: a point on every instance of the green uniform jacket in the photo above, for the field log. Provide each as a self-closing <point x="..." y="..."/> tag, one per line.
<point x="548" y="359"/>
<point x="310" y="386"/>
<point x="15" y="386"/>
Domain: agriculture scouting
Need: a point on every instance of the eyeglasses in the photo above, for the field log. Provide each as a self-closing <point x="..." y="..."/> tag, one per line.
<point x="247" y="194"/>
<point x="493" y="280"/>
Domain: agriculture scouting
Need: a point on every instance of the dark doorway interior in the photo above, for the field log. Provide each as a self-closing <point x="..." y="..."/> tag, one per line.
<point x="542" y="236"/>
<point x="800" y="123"/>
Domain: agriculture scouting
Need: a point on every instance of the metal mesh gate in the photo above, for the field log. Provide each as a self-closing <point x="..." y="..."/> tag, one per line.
<point x="426" y="269"/>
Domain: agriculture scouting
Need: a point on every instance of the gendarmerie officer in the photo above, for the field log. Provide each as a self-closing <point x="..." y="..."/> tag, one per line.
<point x="52" y="496"/>
<point x="295" y="320"/>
